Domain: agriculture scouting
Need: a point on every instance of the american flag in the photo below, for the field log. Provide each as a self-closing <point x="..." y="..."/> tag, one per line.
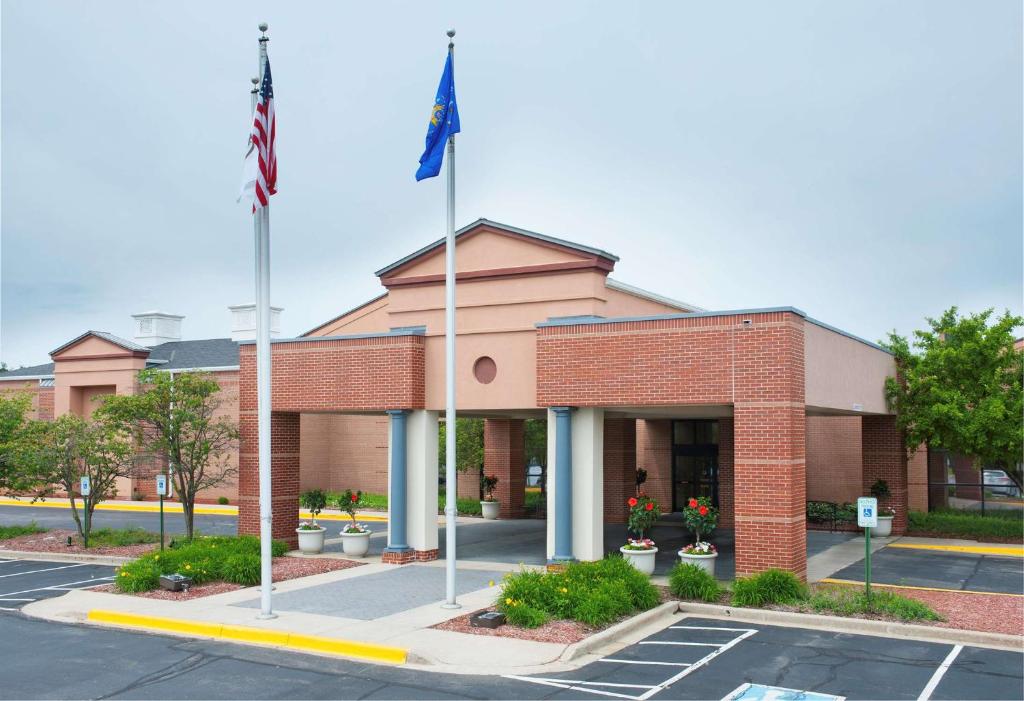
<point x="259" y="175"/>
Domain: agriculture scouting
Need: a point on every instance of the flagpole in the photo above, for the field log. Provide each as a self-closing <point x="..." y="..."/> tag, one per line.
<point x="261" y="225"/>
<point x="451" y="480"/>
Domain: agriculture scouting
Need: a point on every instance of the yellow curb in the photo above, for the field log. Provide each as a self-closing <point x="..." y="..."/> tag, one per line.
<point x="371" y="652"/>
<point x="1011" y="550"/>
<point x="176" y="508"/>
<point x="829" y="580"/>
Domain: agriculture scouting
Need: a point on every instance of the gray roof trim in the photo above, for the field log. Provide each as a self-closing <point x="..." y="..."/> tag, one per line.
<point x="215" y="368"/>
<point x="849" y="335"/>
<point x="15" y="378"/>
<point x="408" y="331"/>
<point x="653" y="296"/>
<point x="344" y="314"/>
<point x="106" y="336"/>
<point x="663" y="317"/>
<point x="32" y="372"/>
<point x="504" y="227"/>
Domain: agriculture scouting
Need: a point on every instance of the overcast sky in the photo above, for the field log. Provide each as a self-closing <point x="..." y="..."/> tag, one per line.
<point x="859" y="160"/>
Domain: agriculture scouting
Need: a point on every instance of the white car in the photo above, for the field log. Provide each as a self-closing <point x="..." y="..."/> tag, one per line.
<point x="998" y="482"/>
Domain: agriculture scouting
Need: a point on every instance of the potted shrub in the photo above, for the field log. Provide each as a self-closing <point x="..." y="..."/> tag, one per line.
<point x="355" y="537"/>
<point x="701" y="518"/>
<point x="880" y="491"/>
<point x="885" y="516"/>
<point x="640" y="551"/>
<point x="311" y="534"/>
<point x="489" y="506"/>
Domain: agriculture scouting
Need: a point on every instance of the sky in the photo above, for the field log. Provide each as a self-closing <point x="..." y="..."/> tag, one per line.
<point x="861" y="161"/>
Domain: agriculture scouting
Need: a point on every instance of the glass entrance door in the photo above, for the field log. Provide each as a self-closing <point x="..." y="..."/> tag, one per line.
<point x="694" y="461"/>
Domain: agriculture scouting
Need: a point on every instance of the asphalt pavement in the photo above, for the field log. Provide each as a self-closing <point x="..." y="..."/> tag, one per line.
<point x="25" y="581"/>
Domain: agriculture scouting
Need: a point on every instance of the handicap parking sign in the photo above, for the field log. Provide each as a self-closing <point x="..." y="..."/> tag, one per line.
<point x="867" y="512"/>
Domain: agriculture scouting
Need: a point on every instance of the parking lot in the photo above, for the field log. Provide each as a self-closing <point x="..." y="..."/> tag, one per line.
<point x="25" y="581"/>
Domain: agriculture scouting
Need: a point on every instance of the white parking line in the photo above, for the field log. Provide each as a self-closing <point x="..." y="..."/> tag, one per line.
<point x="48" y="569"/>
<point x="687" y="667"/>
<point x="929" y="689"/>
<point x="94" y="580"/>
<point x="10" y="599"/>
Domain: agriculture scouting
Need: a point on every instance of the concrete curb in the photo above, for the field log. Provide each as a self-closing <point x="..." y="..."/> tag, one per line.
<point x="857" y="626"/>
<point x="114" y="560"/>
<point x="354" y="649"/>
<point x="618" y="632"/>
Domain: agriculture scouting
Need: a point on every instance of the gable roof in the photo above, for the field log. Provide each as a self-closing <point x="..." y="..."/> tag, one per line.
<point x="499" y="227"/>
<point x="182" y="355"/>
<point x="106" y="336"/>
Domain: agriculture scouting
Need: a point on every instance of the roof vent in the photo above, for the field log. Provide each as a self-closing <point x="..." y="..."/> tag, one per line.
<point x="154" y="328"/>
<point x="243" y="322"/>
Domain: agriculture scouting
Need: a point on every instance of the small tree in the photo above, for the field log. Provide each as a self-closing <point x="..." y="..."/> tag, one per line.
<point x="959" y="387"/>
<point x="315" y="500"/>
<point x="57" y="454"/>
<point x="700" y="516"/>
<point x="348" y="502"/>
<point x="488" y="483"/>
<point x="643" y="514"/>
<point x="175" y="419"/>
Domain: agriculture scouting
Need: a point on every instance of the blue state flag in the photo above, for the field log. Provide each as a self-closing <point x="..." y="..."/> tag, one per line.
<point x="444" y="121"/>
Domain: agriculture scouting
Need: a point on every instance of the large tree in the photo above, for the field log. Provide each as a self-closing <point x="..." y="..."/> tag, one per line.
<point x="175" y="418"/>
<point x="57" y="454"/>
<point x="13" y="422"/>
<point x="469" y="445"/>
<point x="959" y="387"/>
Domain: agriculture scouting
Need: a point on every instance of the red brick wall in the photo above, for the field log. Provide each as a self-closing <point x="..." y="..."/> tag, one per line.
<point x="284" y="460"/>
<point x="758" y="367"/>
<point x="654" y="454"/>
<point x="42" y="397"/>
<point x="340" y="452"/>
<point x="884" y="458"/>
<point x="620" y="468"/>
<point x="504" y="446"/>
<point x="834" y="458"/>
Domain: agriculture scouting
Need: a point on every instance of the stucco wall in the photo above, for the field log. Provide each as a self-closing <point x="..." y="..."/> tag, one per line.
<point x="843" y="373"/>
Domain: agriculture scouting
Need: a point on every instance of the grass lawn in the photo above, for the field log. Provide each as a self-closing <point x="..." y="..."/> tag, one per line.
<point x="1003" y="525"/>
<point x="115" y="537"/>
<point x="7" y="532"/>
<point x="379" y="502"/>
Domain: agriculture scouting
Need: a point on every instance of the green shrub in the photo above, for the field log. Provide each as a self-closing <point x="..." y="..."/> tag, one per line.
<point x="999" y="524"/>
<point x="689" y="581"/>
<point x="214" y="558"/>
<point x="594" y="593"/>
<point x="769" y="587"/>
<point x="7" y="532"/>
<point x="848" y="601"/>
<point x="242" y="568"/>
<point x="222" y="500"/>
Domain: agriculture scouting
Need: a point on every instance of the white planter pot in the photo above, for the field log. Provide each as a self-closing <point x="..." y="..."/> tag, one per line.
<point x="355" y="544"/>
<point x="490" y="509"/>
<point x="311" y="542"/>
<point x="884" y="527"/>
<point x="705" y="562"/>
<point x="643" y="560"/>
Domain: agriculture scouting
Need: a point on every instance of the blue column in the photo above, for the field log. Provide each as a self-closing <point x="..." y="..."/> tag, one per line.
<point x="563" y="483"/>
<point x="397" y="486"/>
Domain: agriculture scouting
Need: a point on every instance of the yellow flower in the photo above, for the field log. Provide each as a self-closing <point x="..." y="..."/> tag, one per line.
<point x="157" y="557"/>
<point x="188" y="567"/>
<point x="564" y="590"/>
<point x="508" y="601"/>
<point x="124" y="574"/>
<point x="490" y="583"/>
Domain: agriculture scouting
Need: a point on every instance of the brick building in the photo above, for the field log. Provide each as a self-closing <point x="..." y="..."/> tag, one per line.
<point x="758" y="409"/>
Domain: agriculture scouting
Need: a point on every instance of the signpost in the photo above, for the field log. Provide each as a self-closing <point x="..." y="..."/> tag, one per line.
<point x="85" y="490"/>
<point x="163" y="490"/>
<point x="867" y="518"/>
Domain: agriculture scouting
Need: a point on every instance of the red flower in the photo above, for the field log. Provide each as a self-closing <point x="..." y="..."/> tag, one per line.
<point x="693" y="503"/>
<point x="355" y="497"/>
<point x="703" y="511"/>
<point x="649" y="506"/>
<point x="632" y="502"/>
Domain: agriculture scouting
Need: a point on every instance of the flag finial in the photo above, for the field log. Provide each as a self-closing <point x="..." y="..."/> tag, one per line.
<point x="451" y="37"/>
<point x="263" y="27"/>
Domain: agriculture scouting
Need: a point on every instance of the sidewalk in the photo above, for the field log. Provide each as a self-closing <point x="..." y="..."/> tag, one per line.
<point x="174" y="507"/>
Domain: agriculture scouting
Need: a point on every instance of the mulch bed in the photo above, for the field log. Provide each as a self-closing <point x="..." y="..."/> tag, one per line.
<point x="562" y="632"/>
<point x="56" y="541"/>
<point x="284" y="568"/>
<point x="994" y="613"/>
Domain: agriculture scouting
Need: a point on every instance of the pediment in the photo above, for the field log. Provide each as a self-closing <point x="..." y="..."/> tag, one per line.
<point x="98" y="344"/>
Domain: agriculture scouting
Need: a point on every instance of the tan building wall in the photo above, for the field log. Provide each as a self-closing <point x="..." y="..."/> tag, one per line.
<point x="338" y="452"/>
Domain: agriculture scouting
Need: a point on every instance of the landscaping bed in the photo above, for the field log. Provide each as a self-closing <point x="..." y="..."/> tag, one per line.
<point x="283" y="569"/>
<point x="121" y="543"/>
<point x="559" y="631"/>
